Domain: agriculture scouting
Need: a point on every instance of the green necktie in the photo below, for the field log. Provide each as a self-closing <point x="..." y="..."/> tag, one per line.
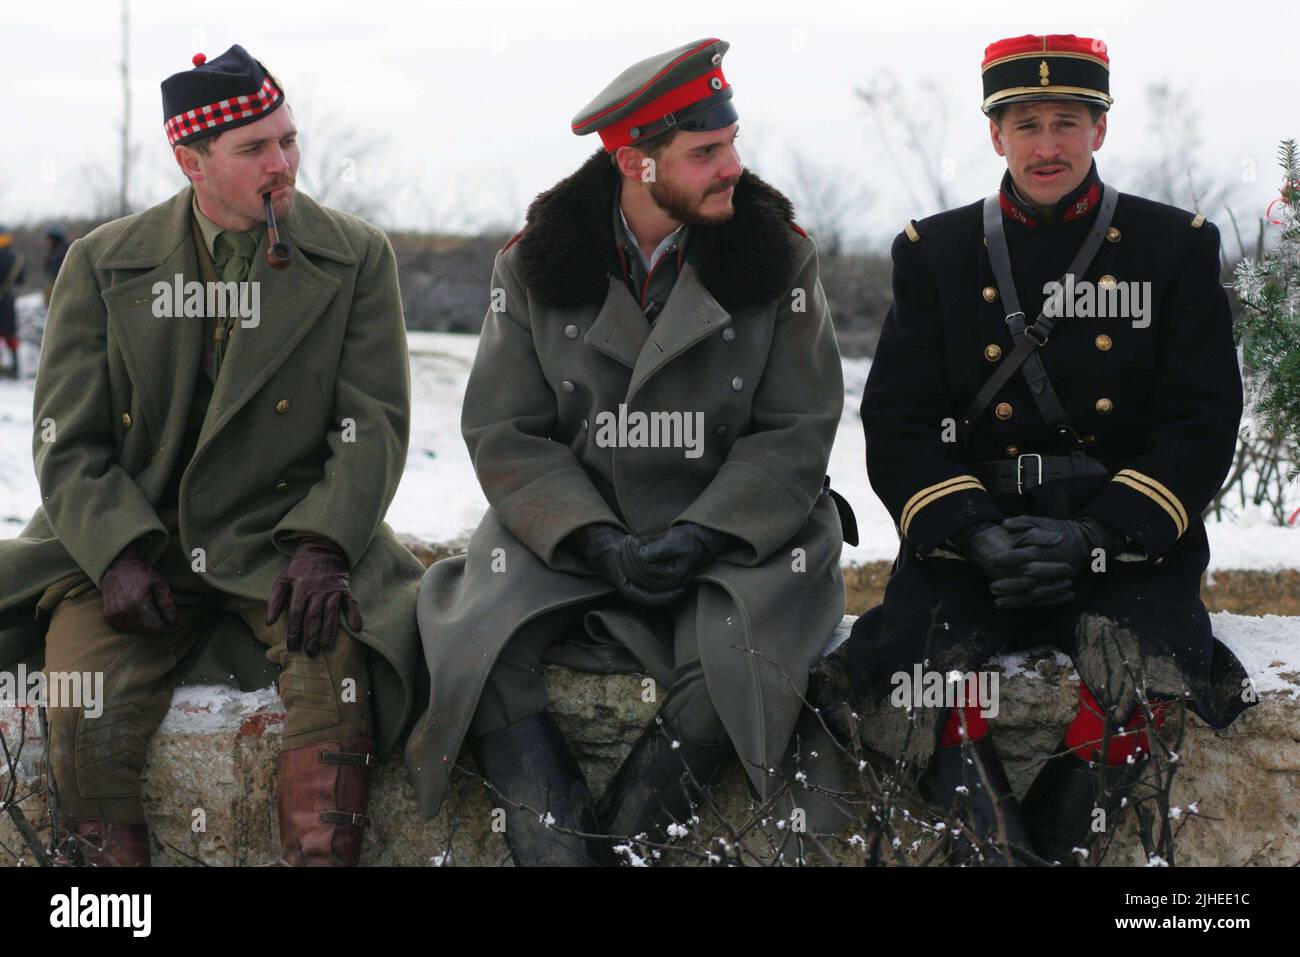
<point x="234" y="255"/>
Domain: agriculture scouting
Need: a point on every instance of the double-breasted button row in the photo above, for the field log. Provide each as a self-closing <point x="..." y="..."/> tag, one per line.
<point x="1104" y="405"/>
<point x="990" y="293"/>
<point x="1103" y="342"/>
<point x="993" y="352"/>
<point x="1003" y="410"/>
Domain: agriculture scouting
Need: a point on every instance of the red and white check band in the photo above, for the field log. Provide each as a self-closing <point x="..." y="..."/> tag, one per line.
<point x="224" y="111"/>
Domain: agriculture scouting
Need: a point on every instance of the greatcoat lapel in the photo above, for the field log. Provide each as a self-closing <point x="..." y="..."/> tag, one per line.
<point x="621" y="328"/>
<point x="162" y="355"/>
<point x="690" y="314"/>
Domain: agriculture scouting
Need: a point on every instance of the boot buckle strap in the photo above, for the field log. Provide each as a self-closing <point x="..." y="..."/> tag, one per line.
<point x="349" y="757"/>
<point x="344" y="817"/>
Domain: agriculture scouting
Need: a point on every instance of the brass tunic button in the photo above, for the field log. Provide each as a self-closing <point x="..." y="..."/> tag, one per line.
<point x="281" y="486"/>
<point x="1013" y="450"/>
<point x="1112" y="235"/>
<point x="126" y="419"/>
<point x="990" y="294"/>
<point x="728" y="334"/>
<point x="566" y="386"/>
<point x="571" y="331"/>
<point x="720" y="430"/>
<point x="1108" y="281"/>
<point x="1103" y="342"/>
<point x="737" y="384"/>
<point x="993" y="352"/>
<point x="1003" y="410"/>
<point x="1104" y="405"/>
<point x="282" y="406"/>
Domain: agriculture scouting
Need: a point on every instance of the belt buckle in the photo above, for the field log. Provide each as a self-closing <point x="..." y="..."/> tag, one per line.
<point x="1020" y="470"/>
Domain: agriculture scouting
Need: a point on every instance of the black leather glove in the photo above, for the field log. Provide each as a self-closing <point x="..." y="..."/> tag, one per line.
<point x="675" y="554"/>
<point x="136" y="599"/>
<point x="316" y="588"/>
<point x="1018" y="575"/>
<point x="1078" y="539"/>
<point x="613" y="555"/>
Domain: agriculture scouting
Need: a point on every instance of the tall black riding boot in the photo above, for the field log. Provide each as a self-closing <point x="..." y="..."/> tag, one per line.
<point x="949" y="770"/>
<point x="653" y="788"/>
<point x="530" y="764"/>
<point x="1058" y="806"/>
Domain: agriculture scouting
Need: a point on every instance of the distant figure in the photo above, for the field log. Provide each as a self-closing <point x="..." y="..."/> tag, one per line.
<point x="58" y="248"/>
<point x="11" y="274"/>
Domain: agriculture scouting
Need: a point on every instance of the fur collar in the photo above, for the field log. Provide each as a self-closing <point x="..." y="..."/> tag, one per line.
<point x="568" y="240"/>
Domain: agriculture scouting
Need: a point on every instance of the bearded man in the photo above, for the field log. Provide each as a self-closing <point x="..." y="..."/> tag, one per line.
<point x="650" y="415"/>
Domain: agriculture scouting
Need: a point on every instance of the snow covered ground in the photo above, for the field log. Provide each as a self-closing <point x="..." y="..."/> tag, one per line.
<point x="440" y="500"/>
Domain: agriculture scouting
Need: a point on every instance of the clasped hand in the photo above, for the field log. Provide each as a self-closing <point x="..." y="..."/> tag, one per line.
<point x="1033" y="561"/>
<point x="652" y="571"/>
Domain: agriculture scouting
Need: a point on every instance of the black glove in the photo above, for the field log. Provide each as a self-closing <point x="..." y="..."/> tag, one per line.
<point x="1068" y="542"/>
<point x="316" y="588"/>
<point x="675" y="554"/>
<point x="613" y="555"/>
<point x="1018" y="575"/>
<point x="135" y="597"/>
<point x="1077" y="538"/>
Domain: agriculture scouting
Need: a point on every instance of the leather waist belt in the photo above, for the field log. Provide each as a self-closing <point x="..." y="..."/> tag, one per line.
<point x="1031" y="469"/>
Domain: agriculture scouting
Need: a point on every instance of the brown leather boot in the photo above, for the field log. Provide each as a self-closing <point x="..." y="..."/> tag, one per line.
<point x="106" y="844"/>
<point x="323" y="790"/>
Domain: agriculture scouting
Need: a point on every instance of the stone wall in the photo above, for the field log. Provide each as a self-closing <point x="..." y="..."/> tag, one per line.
<point x="216" y="754"/>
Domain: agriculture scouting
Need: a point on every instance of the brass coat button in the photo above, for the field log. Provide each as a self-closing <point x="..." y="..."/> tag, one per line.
<point x="1003" y="410"/>
<point x="1103" y="342"/>
<point x="571" y="331"/>
<point x="126" y="419"/>
<point x="566" y="386"/>
<point x="282" y="486"/>
<point x="1107" y="281"/>
<point x="1104" y="405"/>
<point x="728" y="334"/>
<point x="993" y="352"/>
<point x="990" y="294"/>
<point x="1013" y="450"/>
<point x="282" y="406"/>
<point x="1112" y="235"/>
<point x="737" y="384"/>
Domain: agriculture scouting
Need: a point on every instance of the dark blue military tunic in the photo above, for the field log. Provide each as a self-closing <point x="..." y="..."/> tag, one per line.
<point x="1156" y="399"/>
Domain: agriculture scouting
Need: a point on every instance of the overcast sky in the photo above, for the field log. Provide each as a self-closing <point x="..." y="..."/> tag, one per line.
<point x="473" y="99"/>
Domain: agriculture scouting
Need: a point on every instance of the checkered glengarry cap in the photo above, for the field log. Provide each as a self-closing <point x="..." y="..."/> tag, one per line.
<point x="1059" y="66"/>
<point x="682" y="89"/>
<point x="217" y="95"/>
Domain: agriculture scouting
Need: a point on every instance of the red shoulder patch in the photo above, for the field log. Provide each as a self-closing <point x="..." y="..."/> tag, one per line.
<point x="513" y="239"/>
<point x="799" y="229"/>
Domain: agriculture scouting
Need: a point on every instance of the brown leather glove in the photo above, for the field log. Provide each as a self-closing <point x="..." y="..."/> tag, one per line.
<point x="316" y="588"/>
<point x="136" y="598"/>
